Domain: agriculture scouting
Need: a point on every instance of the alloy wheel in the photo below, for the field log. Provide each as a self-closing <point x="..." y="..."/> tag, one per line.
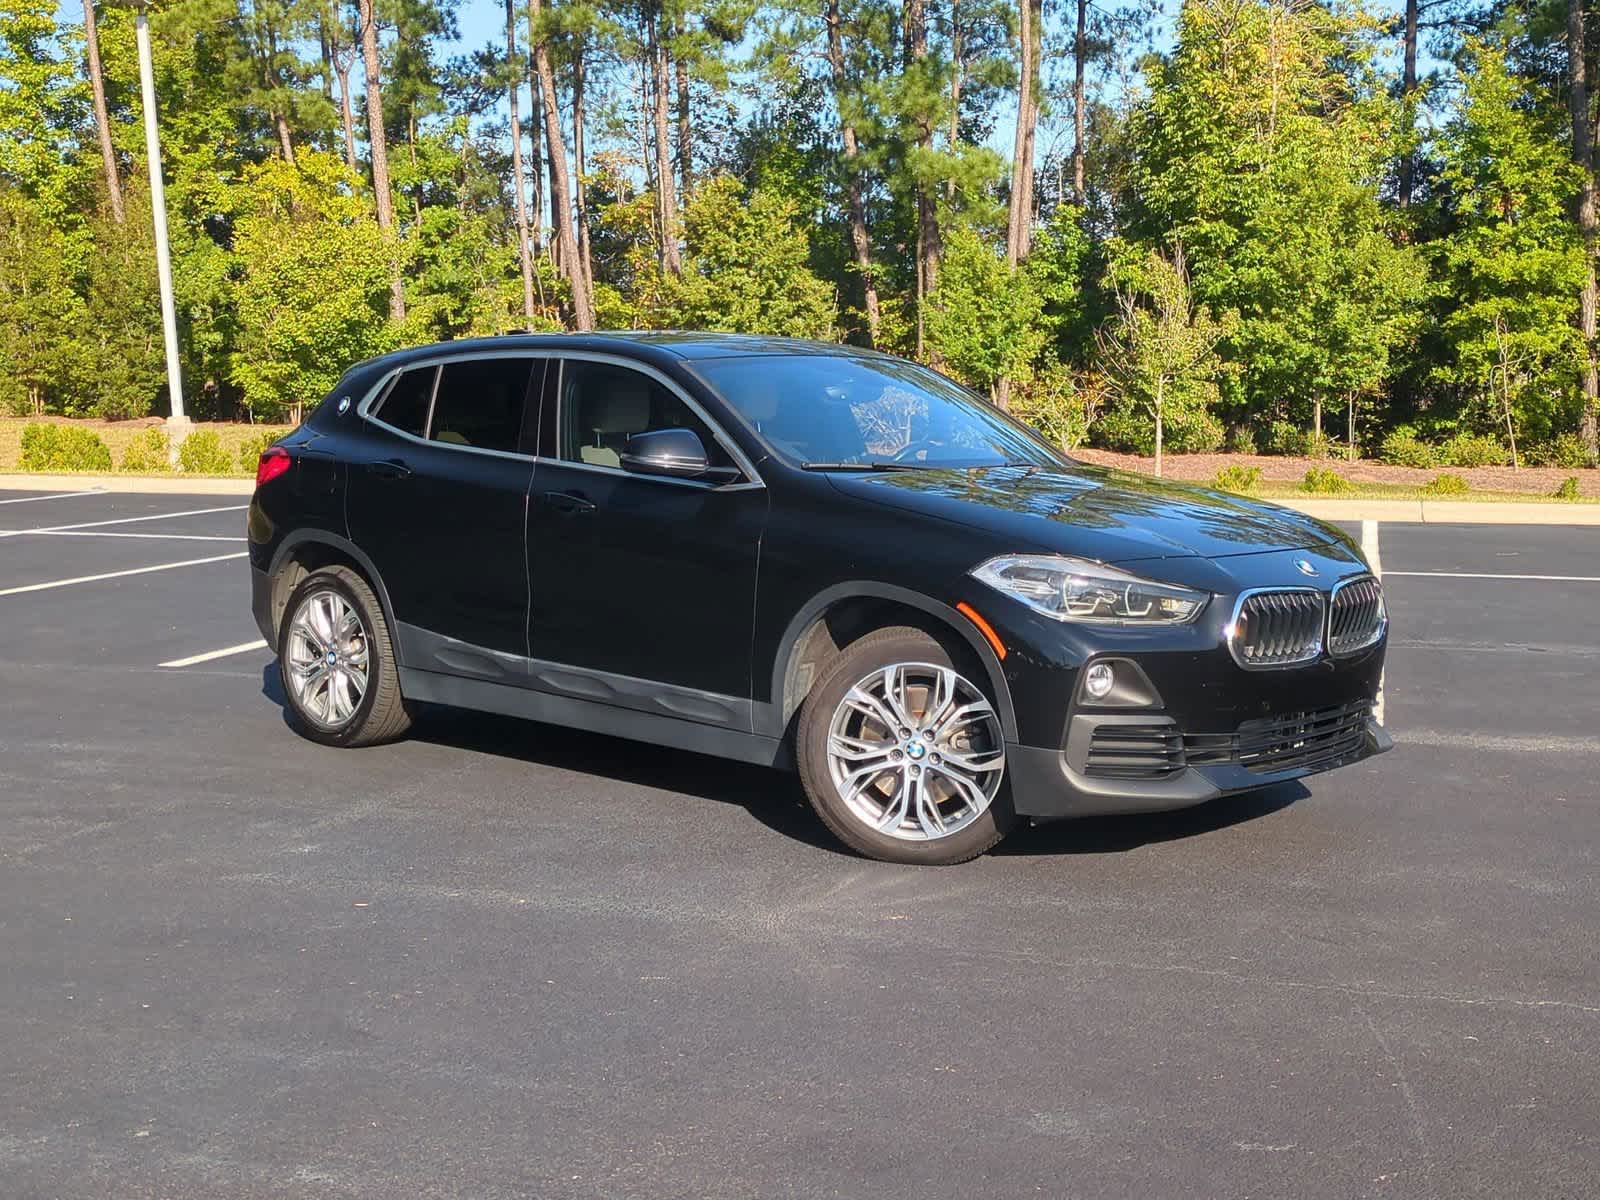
<point x="327" y="659"/>
<point x="915" y="751"/>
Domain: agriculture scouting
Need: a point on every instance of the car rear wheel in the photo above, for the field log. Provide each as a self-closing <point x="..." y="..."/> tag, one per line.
<point x="901" y="753"/>
<point x="337" y="664"/>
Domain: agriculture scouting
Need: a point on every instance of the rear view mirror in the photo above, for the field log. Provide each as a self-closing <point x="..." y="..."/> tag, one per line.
<point x="678" y="453"/>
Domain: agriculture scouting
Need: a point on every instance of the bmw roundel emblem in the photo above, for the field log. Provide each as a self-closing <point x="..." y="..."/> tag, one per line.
<point x="1303" y="565"/>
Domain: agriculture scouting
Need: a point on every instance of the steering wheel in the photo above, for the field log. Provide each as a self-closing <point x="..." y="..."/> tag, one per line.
<point x="905" y="452"/>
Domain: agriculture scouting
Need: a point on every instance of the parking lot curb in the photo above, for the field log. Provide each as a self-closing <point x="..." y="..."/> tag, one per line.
<point x="171" y="485"/>
<point x="1447" y="512"/>
<point x="1429" y="512"/>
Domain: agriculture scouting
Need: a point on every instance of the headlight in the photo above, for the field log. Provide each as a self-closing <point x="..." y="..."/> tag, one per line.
<point x="1073" y="589"/>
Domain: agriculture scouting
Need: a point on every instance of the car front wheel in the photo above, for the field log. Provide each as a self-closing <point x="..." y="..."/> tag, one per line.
<point x="901" y="753"/>
<point x="336" y="662"/>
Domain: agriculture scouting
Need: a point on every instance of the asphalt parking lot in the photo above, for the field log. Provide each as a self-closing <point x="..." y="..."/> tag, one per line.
<point x="502" y="959"/>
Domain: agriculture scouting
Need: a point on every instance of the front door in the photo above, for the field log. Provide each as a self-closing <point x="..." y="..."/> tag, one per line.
<point x="438" y="501"/>
<point x="642" y="586"/>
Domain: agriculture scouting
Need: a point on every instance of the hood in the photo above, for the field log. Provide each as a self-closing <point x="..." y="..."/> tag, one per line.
<point x="1093" y="512"/>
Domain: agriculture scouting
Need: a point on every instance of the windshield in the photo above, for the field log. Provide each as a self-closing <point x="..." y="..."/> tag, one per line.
<point x="816" y="410"/>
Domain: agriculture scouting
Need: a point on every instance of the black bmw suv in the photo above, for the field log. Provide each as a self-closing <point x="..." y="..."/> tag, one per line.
<point x="807" y="556"/>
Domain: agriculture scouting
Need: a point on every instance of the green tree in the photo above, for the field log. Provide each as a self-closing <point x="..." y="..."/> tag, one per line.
<point x="745" y="269"/>
<point x="1261" y="150"/>
<point x="40" y="315"/>
<point x="1160" y="352"/>
<point x="313" y="286"/>
<point x="1513" y="260"/>
<point x="985" y="320"/>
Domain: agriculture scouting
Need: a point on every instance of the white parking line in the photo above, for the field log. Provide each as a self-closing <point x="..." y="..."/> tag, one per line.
<point x="54" y="496"/>
<point x="241" y="648"/>
<point x="1486" y="575"/>
<point x="1369" y="547"/>
<point x="108" y="533"/>
<point x="60" y="583"/>
<point x="193" y="512"/>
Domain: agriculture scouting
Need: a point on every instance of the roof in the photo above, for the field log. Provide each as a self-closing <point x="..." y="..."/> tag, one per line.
<point x="643" y="344"/>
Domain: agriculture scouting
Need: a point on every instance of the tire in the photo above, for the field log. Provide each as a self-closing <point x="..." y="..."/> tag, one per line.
<point x="379" y="714"/>
<point x="855" y="768"/>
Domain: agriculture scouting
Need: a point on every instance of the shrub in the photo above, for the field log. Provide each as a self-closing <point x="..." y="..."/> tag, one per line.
<point x="250" y="449"/>
<point x="1241" y="440"/>
<point x="1050" y="402"/>
<point x="1197" y="433"/>
<point x="1565" y="450"/>
<point x="1325" y="482"/>
<point x="1473" y="450"/>
<point x="1568" y="489"/>
<point x="1446" y="485"/>
<point x="147" y="451"/>
<point x="1402" y="447"/>
<point x="63" y="448"/>
<point x="1125" y="431"/>
<point x="1288" y="439"/>
<point x="201" y="453"/>
<point x="1243" y="481"/>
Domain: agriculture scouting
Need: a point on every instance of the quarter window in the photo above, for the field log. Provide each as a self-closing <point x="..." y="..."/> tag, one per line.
<point x="406" y="406"/>
<point x="603" y="405"/>
<point x="481" y="402"/>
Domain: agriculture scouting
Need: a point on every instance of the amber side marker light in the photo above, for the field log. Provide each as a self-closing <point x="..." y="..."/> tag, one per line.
<point x="993" y="638"/>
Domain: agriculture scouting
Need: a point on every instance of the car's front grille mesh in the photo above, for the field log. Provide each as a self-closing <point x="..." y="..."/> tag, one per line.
<point x="1135" y="751"/>
<point x="1355" y="615"/>
<point x="1278" y="628"/>
<point x="1303" y="739"/>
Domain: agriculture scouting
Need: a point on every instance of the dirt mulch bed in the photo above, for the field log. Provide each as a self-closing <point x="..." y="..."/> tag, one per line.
<point x="1538" y="481"/>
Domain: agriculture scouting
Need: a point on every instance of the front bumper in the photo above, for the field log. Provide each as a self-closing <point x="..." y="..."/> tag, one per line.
<point x="1045" y="784"/>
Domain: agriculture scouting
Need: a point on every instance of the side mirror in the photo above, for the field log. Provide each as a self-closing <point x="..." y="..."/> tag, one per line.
<point x="675" y="452"/>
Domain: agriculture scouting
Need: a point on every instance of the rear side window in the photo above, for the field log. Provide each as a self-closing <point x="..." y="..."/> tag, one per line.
<point x="406" y="406"/>
<point x="481" y="402"/>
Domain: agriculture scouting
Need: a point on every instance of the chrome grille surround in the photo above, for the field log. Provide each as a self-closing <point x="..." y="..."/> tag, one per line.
<point x="1357" y="616"/>
<point x="1277" y="627"/>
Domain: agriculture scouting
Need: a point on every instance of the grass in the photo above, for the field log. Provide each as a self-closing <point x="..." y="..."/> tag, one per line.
<point x="117" y="434"/>
<point x="1281" y="489"/>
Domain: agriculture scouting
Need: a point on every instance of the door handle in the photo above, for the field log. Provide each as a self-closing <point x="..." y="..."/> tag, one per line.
<point x="570" y="503"/>
<point x="389" y="468"/>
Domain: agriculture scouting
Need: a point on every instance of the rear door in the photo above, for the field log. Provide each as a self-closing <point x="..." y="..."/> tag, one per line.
<point x="642" y="587"/>
<point x="437" y="498"/>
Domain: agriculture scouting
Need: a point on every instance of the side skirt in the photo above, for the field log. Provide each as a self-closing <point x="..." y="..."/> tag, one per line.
<point x="509" y="700"/>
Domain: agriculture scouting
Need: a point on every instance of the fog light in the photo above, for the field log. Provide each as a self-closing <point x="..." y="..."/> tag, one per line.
<point x="1099" y="680"/>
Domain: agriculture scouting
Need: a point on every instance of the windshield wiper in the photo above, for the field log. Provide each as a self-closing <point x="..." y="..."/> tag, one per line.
<point x="859" y="466"/>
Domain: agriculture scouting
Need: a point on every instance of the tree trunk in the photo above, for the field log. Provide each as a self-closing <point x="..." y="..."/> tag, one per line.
<point x="1161" y="387"/>
<point x="1350" y="427"/>
<point x="518" y="180"/>
<point x="1408" y="89"/>
<point x="536" y="147"/>
<point x="560" y="183"/>
<point x="860" y="241"/>
<point x="346" y="113"/>
<point x="102" y="119"/>
<point x="1020" y="215"/>
<point x="957" y="78"/>
<point x="930" y="244"/>
<point x="1588" y="221"/>
<point x="666" y="194"/>
<point x="1316" y="423"/>
<point x="579" y="120"/>
<point x="685" y="129"/>
<point x="1080" y="64"/>
<point x="378" y="140"/>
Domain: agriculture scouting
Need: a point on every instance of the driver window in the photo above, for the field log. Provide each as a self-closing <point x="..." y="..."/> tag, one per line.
<point x="603" y="405"/>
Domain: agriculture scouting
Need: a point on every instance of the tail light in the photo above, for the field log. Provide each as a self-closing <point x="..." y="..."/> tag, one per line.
<point x="274" y="461"/>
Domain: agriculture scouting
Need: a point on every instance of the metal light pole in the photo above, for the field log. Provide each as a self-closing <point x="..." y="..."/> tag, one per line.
<point x="178" y="424"/>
